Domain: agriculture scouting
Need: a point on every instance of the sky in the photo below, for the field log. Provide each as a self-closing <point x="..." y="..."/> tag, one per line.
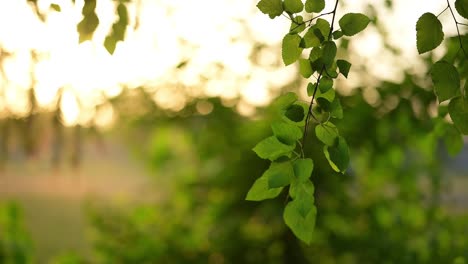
<point x="215" y="37"/>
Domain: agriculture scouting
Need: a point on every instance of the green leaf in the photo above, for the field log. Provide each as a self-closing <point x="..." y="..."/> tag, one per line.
<point x="337" y="34"/>
<point x="325" y="84"/>
<point x="303" y="195"/>
<point x="291" y="51"/>
<point x="344" y="67"/>
<point x="271" y="148"/>
<point x="284" y="101"/>
<point x="329" y="95"/>
<point x="55" y="7"/>
<point x="272" y="8"/>
<point x="303" y="169"/>
<point x="302" y="227"/>
<point x="330" y="70"/>
<point x="295" y="113"/>
<point x="338" y="154"/>
<point x="446" y="80"/>
<point x="87" y="26"/>
<point x="293" y="6"/>
<point x="297" y="25"/>
<point x="458" y="110"/>
<point x="327" y="133"/>
<point x="460" y="5"/>
<point x="118" y="29"/>
<point x="286" y="133"/>
<point x="323" y="26"/>
<point x="304" y="188"/>
<point x="311" y="88"/>
<point x="315" y="54"/>
<point x="305" y="68"/>
<point x="453" y="141"/>
<point x="310" y="40"/>
<point x="336" y="111"/>
<point x="353" y="23"/>
<point x="260" y="190"/>
<point x="429" y="33"/>
<point x="314" y="6"/>
<point x="279" y="174"/>
<point x="329" y="52"/>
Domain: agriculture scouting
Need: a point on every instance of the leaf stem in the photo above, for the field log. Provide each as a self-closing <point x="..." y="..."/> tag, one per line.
<point x="458" y="30"/>
<point x="309" y="111"/>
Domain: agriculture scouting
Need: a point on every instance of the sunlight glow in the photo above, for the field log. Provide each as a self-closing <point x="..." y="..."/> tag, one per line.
<point x="217" y="48"/>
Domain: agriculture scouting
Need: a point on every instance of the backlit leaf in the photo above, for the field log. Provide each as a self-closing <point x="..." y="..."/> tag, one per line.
<point x="260" y="190"/>
<point x="302" y="227"/>
<point x="286" y="133"/>
<point x="55" y="7"/>
<point x="325" y="84"/>
<point x="272" y="8"/>
<point x="303" y="169"/>
<point x="329" y="95"/>
<point x="295" y="113"/>
<point x="291" y="49"/>
<point x="462" y="8"/>
<point x="338" y="154"/>
<point x="297" y="25"/>
<point x="293" y="6"/>
<point x="353" y="23"/>
<point x="429" y="33"/>
<point x="314" y="6"/>
<point x="344" y="67"/>
<point x="279" y="174"/>
<point x="284" y="101"/>
<point x="458" y="110"/>
<point x="329" y="52"/>
<point x="271" y="148"/>
<point x="446" y="80"/>
<point x="327" y="133"/>
<point x="336" y="111"/>
<point x="305" y="68"/>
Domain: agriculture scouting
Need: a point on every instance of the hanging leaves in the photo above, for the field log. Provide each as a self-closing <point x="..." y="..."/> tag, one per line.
<point x="446" y="80"/>
<point x="90" y="21"/>
<point x="272" y="8"/>
<point x="118" y="29"/>
<point x="293" y="6"/>
<point x="353" y="23"/>
<point x="314" y="6"/>
<point x="291" y="49"/>
<point x="462" y="8"/>
<point x="429" y="33"/>
<point x="458" y="110"/>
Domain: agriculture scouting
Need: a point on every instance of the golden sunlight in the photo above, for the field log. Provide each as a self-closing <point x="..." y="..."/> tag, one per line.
<point x="215" y="48"/>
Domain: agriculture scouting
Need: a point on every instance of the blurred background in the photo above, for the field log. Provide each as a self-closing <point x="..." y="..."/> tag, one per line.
<point x="144" y="155"/>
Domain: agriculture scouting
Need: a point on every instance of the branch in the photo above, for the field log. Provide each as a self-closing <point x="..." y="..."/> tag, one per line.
<point x="458" y="30"/>
<point x="310" y="20"/>
<point x="309" y="112"/>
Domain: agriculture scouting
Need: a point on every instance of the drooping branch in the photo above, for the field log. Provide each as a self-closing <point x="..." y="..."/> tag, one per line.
<point x="309" y="111"/>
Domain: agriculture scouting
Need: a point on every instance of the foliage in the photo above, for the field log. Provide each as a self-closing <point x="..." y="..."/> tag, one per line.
<point x="15" y="244"/>
<point x="300" y="213"/>
<point x="322" y="62"/>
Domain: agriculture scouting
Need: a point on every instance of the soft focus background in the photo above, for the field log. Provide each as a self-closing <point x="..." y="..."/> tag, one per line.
<point x="144" y="156"/>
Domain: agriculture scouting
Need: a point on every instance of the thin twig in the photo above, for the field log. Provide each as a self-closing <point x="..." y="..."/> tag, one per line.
<point x="309" y="111"/>
<point x="458" y="30"/>
<point x="309" y="21"/>
<point x="443" y="11"/>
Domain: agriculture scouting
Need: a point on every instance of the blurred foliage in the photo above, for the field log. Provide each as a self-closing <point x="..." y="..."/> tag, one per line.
<point x="15" y="244"/>
<point x="385" y="210"/>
